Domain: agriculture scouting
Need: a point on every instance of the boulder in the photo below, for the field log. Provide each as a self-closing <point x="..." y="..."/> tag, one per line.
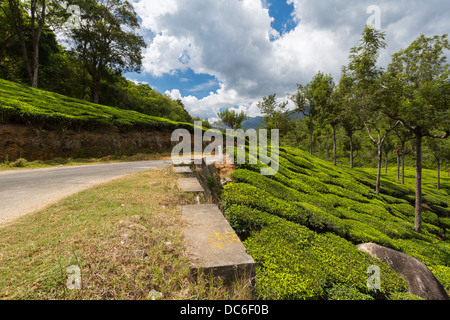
<point x="421" y="280"/>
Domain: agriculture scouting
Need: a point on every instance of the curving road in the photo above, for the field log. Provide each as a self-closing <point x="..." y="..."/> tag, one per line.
<point x="25" y="191"/>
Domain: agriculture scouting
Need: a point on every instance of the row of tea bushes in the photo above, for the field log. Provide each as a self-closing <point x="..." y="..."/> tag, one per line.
<point x="25" y="105"/>
<point x="295" y="262"/>
<point x="336" y="207"/>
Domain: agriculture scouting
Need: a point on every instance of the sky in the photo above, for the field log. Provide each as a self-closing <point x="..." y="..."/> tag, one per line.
<point x="219" y="54"/>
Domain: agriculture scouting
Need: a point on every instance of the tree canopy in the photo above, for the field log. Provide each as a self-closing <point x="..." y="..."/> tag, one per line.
<point x="100" y="49"/>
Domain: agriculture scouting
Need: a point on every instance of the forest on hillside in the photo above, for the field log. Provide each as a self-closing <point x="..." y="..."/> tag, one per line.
<point x="98" y="49"/>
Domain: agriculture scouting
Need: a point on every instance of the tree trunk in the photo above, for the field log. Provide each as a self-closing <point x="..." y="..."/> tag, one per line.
<point x="386" y="163"/>
<point x="403" y="164"/>
<point x="398" y="165"/>
<point x="95" y="89"/>
<point x="36" y="36"/>
<point x="418" y="207"/>
<point x="17" y="21"/>
<point x="311" y="130"/>
<point x="31" y="65"/>
<point x="35" y="62"/>
<point x="95" y="92"/>
<point x="334" y="146"/>
<point x="438" y="173"/>
<point x="380" y="161"/>
<point x="351" y="150"/>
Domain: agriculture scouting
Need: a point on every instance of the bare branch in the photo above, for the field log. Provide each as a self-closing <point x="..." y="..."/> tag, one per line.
<point x="370" y="135"/>
<point x="442" y="136"/>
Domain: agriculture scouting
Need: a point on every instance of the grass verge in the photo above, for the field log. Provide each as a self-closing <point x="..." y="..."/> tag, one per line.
<point x="39" y="164"/>
<point x="125" y="237"/>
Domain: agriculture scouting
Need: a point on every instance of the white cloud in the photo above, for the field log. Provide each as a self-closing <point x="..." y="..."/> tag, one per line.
<point x="233" y="41"/>
<point x="137" y="82"/>
<point x="203" y="86"/>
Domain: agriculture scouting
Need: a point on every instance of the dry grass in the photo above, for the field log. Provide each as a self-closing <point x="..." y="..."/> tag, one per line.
<point x="125" y="236"/>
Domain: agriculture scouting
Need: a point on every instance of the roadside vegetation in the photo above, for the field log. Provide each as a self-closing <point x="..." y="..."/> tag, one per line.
<point x="23" y="163"/>
<point x="125" y="236"/>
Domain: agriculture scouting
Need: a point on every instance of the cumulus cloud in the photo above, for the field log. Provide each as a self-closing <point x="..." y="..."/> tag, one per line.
<point x="233" y="41"/>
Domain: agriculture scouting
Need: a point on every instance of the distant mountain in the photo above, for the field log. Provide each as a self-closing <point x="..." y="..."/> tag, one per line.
<point x="254" y="122"/>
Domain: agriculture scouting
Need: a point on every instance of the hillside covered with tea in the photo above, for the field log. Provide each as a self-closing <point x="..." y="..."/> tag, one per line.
<point x="43" y="109"/>
<point x="302" y="226"/>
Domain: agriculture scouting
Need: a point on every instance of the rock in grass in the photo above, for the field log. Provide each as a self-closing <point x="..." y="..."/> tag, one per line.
<point x="421" y="280"/>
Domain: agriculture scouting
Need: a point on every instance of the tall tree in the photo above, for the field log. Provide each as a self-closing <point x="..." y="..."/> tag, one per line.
<point x="441" y="152"/>
<point x="6" y="29"/>
<point x="29" y="21"/>
<point x="422" y="71"/>
<point x="366" y="73"/>
<point x="321" y="92"/>
<point x="18" y="16"/>
<point x="306" y="105"/>
<point x="107" y="39"/>
<point x="275" y="115"/>
<point x="347" y="108"/>
<point x="232" y="119"/>
<point x="389" y="147"/>
<point x="401" y="137"/>
<point x="382" y="127"/>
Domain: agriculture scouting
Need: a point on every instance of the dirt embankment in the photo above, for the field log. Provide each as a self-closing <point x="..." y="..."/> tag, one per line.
<point x="20" y="141"/>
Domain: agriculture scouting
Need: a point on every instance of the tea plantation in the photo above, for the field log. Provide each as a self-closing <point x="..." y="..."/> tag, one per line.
<point x="302" y="224"/>
<point x="25" y="105"/>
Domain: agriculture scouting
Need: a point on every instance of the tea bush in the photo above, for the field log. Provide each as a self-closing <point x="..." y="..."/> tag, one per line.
<point x="26" y="105"/>
<point x="297" y="263"/>
<point x="301" y="226"/>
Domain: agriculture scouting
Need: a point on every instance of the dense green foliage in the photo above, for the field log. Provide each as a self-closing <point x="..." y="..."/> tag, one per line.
<point x="75" y="71"/>
<point x="231" y="118"/>
<point x="302" y="224"/>
<point x="42" y="109"/>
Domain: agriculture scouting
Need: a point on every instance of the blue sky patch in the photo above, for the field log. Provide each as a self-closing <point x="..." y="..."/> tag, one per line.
<point x="281" y="11"/>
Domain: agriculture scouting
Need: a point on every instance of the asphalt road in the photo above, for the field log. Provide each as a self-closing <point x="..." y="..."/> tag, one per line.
<point x="25" y="191"/>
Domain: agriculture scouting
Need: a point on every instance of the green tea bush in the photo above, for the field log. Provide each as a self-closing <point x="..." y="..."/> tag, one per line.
<point x="429" y="251"/>
<point x="275" y="188"/>
<point x="301" y="226"/>
<point x="22" y="104"/>
<point x="403" y="296"/>
<point x="442" y="273"/>
<point x="245" y="194"/>
<point x="345" y="292"/>
<point x="297" y="263"/>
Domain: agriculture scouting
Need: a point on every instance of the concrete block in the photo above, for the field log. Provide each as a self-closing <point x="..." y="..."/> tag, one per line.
<point x="182" y="170"/>
<point x="190" y="185"/>
<point x="213" y="245"/>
